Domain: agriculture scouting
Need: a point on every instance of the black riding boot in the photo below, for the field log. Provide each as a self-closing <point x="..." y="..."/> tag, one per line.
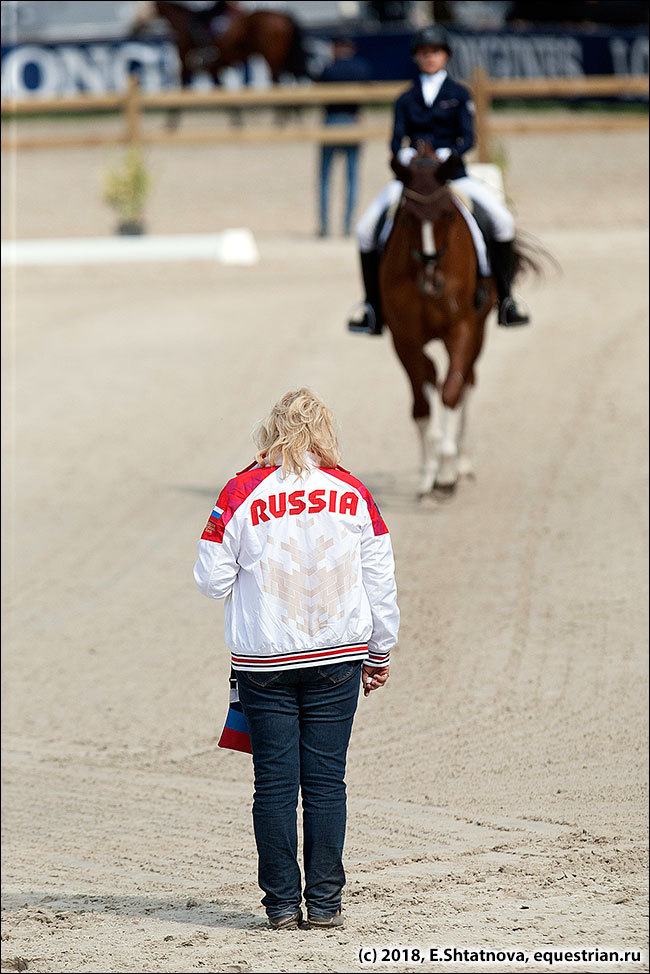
<point x="502" y="259"/>
<point x="371" y="322"/>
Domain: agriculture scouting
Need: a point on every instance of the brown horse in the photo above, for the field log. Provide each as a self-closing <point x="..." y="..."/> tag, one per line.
<point x="431" y="289"/>
<point x="273" y="35"/>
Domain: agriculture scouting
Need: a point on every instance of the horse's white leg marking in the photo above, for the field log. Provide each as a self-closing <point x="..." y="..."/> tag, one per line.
<point x="430" y="430"/>
<point x="465" y="465"/>
<point x="447" y="474"/>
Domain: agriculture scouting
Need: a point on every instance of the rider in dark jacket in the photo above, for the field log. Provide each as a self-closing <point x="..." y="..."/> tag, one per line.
<point x="448" y="121"/>
<point x="440" y="111"/>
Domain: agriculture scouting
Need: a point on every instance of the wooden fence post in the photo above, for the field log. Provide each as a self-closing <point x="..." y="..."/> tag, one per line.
<point x="483" y="102"/>
<point x="132" y="106"/>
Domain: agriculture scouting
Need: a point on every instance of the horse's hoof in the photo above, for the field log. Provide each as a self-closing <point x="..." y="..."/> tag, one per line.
<point x="466" y="468"/>
<point x="427" y="500"/>
<point x="444" y="491"/>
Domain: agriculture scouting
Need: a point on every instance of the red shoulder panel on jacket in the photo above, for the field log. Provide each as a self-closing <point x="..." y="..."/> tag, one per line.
<point x="246" y="469"/>
<point x="378" y="523"/>
<point x="231" y="497"/>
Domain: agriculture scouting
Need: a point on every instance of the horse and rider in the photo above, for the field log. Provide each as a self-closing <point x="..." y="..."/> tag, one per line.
<point x="425" y="260"/>
<point x="437" y="111"/>
<point x="212" y="36"/>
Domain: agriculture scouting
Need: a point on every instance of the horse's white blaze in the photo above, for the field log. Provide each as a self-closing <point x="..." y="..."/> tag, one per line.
<point x="428" y="241"/>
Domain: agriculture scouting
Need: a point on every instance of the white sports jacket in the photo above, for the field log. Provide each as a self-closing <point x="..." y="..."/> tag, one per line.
<point x="305" y="566"/>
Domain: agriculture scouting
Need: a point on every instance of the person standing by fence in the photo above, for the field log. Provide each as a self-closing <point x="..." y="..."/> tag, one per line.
<point x="297" y="547"/>
<point x="346" y="67"/>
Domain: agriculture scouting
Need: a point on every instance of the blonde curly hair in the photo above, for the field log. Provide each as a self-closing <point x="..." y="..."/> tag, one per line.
<point x="298" y="424"/>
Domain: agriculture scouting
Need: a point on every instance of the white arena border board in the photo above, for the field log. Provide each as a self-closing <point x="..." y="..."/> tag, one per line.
<point x="235" y="246"/>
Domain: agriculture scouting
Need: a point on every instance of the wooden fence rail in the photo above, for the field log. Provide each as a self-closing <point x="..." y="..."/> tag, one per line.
<point x="133" y="103"/>
<point x="486" y="89"/>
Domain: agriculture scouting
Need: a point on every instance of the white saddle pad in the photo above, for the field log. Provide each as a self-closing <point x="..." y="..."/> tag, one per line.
<point x="477" y="236"/>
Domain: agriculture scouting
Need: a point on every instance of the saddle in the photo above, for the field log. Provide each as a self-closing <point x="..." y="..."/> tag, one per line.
<point x="384" y="227"/>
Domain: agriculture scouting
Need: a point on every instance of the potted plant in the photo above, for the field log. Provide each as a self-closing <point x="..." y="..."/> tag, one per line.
<point x="126" y="188"/>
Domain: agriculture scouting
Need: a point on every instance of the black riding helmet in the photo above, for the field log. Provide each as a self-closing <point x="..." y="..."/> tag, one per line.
<point x="432" y="36"/>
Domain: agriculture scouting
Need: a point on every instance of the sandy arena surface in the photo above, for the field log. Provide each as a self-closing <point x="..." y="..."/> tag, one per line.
<point x="498" y="785"/>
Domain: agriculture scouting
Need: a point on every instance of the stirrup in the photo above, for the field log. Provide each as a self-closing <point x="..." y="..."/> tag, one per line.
<point x="510" y="316"/>
<point x="366" y="325"/>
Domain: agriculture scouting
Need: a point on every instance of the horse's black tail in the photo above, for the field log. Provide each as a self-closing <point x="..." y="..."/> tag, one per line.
<point x="296" y="58"/>
<point x="530" y="256"/>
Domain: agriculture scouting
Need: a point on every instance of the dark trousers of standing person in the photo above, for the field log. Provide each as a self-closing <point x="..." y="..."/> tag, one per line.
<point x="327" y="155"/>
<point x="300" y="723"/>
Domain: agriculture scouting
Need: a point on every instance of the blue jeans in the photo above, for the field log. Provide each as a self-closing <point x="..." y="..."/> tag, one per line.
<point x="327" y="154"/>
<point x="300" y="723"/>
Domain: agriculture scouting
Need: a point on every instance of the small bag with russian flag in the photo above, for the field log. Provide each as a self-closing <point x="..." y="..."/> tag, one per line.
<point x="235" y="734"/>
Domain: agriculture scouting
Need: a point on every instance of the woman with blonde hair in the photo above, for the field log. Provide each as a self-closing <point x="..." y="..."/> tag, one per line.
<point x="299" y="551"/>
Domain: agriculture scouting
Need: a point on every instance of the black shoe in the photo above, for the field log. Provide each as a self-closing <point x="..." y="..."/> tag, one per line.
<point x="510" y="316"/>
<point x="367" y="324"/>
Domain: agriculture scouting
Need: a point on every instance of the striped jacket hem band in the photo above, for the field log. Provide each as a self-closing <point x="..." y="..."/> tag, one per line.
<point x="298" y="659"/>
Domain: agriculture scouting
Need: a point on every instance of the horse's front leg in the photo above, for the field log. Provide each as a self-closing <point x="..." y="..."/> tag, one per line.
<point x="449" y="448"/>
<point x="465" y="463"/>
<point x="427" y="407"/>
<point x="450" y="459"/>
<point x="431" y="432"/>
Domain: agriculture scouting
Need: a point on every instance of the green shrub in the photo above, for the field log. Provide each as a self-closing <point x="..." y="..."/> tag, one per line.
<point x="127" y="186"/>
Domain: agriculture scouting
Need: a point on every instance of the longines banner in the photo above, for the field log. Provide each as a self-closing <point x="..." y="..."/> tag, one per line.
<point x="41" y="70"/>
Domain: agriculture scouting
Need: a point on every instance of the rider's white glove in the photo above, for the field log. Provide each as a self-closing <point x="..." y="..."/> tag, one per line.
<point x="406" y="155"/>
